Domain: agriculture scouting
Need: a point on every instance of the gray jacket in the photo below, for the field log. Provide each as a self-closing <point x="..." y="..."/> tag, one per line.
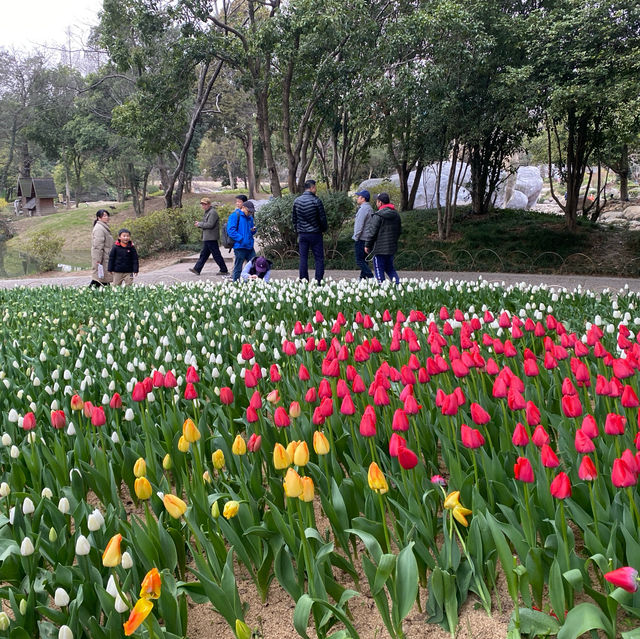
<point x="210" y="225"/>
<point x="363" y="215"/>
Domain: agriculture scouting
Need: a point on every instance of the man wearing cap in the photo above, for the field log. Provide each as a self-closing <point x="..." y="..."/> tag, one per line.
<point x="259" y="268"/>
<point x="310" y="222"/>
<point x="210" y="226"/>
<point x="382" y="238"/>
<point x="363" y="215"/>
<point x="241" y="228"/>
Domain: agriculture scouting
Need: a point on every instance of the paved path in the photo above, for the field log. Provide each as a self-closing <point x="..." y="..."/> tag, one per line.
<point x="179" y="273"/>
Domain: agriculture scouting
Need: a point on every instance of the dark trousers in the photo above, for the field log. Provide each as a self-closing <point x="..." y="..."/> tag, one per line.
<point x="311" y="241"/>
<point x="365" y="271"/>
<point x="242" y="256"/>
<point x="210" y="247"/>
<point x="384" y="264"/>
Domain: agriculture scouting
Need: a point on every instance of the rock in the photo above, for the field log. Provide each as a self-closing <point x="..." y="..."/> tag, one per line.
<point x="632" y="213"/>
<point x="529" y="181"/>
<point x="518" y="201"/>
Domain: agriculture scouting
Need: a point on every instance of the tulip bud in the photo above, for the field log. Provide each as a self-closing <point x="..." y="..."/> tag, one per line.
<point x="61" y="598"/>
<point x="127" y="561"/>
<point x="183" y="444"/>
<point x="27" y="506"/>
<point x="23" y="607"/>
<point x="111" y="586"/>
<point x="140" y="467"/>
<point x="301" y="454"/>
<point x="46" y="493"/>
<point x="26" y="547"/>
<point x="65" y="633"/>
<point x="63" y="506"/>
<point x="120" y="605"/>
<point x="53" y="535"/>
<point x="82" y="546"/>
<point x="239" y="446"/>
<point x="242" y="630"/>
<point x="217" y="459"/>
<point x="12" y="514"/>
<point x="15" y="452"/>
<point x="215" y="510"/>
<point x="167" y="464"/>
<point x="206" y="477"/>
<point x="71" y="429"/>
<point x="230" y="509"/>
<point x="95" y="520"/>
<point x="115" y="438"/>
<point x="5" y="489"/>
<point x="142" y="488"/>
<point x="5" y="622"/>
<point x="6" y="439"/>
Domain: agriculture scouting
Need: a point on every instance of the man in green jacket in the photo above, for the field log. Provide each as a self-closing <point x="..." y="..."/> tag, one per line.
<point x="383" y="232"/>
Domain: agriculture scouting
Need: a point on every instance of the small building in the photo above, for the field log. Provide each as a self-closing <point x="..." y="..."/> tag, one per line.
<point x="36" y="196"/>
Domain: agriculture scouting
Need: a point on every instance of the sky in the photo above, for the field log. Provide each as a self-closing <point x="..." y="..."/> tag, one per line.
<point x="28" y="24"/>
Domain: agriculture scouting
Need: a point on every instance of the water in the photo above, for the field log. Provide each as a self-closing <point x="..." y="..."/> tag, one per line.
<point x="16" y="263"/>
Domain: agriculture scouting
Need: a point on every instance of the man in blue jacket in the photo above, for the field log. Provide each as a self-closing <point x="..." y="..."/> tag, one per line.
<point x="310" y="222"/>
<point x="241" y="228"/>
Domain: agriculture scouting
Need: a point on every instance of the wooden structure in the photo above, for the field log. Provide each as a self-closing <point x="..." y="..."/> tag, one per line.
<point x="36" y="196"/>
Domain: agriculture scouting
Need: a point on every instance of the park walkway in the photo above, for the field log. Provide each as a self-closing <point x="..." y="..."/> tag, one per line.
<point x="179" y="272"/>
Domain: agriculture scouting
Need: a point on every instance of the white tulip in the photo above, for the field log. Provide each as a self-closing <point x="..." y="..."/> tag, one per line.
<point x="71" y="429"/>
<point x="111" y="586"/>
<point x="27" y="506"/>
<point x="26" y="547"/>
<point x="12" y="514"/>
<point x="46" y="493"/>
<point x="82" y="546"/>
<point x="65" y="633"/>
<point x="61" y="598"/>
<point x="114" y="437"/>
<point x="15" y="452"/>
<point x="6" y="439"/>
<point x="127" y="561"/>
<point x="63" y="506"/>
<point x="120" y="604"/>
<point x="5" y="489"/>
<point x="13" y="416"/>
<point x="31" y="437"/>
<point x="128" y="415"/>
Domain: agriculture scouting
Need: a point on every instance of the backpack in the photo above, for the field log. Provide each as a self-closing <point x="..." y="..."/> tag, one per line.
<point x="225" y="240"/>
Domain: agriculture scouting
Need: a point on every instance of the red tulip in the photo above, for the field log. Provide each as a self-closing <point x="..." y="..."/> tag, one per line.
<point x="471" y="437"/>
<point x="622" y="368"/>
<point x="583" y="442"/>
<point x="520" y="437"/>
<point x="87" y="409"/>
<point x="58" y="419"/>
<point x="548" y="457"/>
<point x="499" y="388"/>
<point x="190" y="391"/>
<point x="280" y="417"/>
<point x="368" y="425"/>
<point x="311" y="395"/>
<point x="614" y="424"/>
<point x="515" y="400"/>
<point x="625" y="578"/>
<point x="247" y="351"/>
<point x="571" y="406"/>
<point x="589" y="426"/>
<point x="250" y="380"/>
<point x="226" y="395"/>
<point x="29" y="421"/>
<point x="326" y="406"/>
<point x="568" y="388"/>
<point x="116" y="401"/>
<point x="523" y="471"/>
<point x="458" y="368"/>
<point x="139" y="393"/>
<point x="157" y="379"/>
<point x="395" y="443"/>
<point x="407" y="458"/>
<point x="411" y="406"/>
<point x="560" y="487"/>
<point x="621" y="475"/>
<point x="192" y="376"/>
<point x="532" y="414"/>
<point x="148" y="385"/>
<point x="251" y="415"/>
<point x="479" y="415"/>
<point x="587" y="470"/>
<point x="629" y="399"/>
<point x="98" y="417"/>
<point x="254" y="443"/>
<point x="347" y="407"/>
<point x="400" y="420"/>
<point x="380" y="397"/>
<point x="170" y="380"/>
<point x="76" y="403"/>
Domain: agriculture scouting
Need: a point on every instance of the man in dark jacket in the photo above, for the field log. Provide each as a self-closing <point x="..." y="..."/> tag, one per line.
<point x="310" y="222"/>
<point x="383" y="232"/>
<point x="210" y="226"/>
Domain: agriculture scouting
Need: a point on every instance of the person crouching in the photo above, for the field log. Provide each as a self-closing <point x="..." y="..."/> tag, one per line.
<point x="258" y="268"/>
<point x="123" y="259"/>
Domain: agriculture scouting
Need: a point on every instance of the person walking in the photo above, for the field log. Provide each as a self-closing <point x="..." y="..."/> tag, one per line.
<point x="241" y="228"/>
<point x="310" y="222"/>
<point x="123" y="259"/>
<point x="382" y="238"/>
<point x="363" y="215"/>
<point x="101" y="243"/>
<point x="210" y="226"/>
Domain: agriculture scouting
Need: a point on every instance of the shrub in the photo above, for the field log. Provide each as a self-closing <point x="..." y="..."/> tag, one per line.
<point x="273" y="220"/>
<point x="165" y="230"/>
<point x="46" y="248"/>
<point x="3" y="203"/>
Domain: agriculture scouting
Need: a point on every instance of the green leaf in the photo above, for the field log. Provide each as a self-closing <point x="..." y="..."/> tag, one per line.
<point x="556" y="590"/>
<point x="581" y="619"/>
<point x="406" y="582"/>
<point x="535" y="622"/>
<point x="301" y="615"/>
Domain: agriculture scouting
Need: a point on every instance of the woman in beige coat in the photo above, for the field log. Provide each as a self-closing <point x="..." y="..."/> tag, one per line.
<point x="101" y="243"/>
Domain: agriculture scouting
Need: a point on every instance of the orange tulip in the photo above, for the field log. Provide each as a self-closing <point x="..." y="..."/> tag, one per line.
<point x="112" y="555"/>
<point x="151" y="585"/>
<point x="307" y="489"/>
<point x="190" y="431"/>
<point x="139" y="613"/>
<point x="376" y="479"/>
<point x="142" y="488"/>
<point x="320" y="443"/>
<point x="292" y="484"/>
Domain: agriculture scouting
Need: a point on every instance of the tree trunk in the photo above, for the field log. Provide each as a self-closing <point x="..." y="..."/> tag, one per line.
<point x="164" y="173"/>
<point x="247" y="143"/>
<point x="416" y="183"/>
<point x="624" y="173"/>
<point x="264" y="132"/>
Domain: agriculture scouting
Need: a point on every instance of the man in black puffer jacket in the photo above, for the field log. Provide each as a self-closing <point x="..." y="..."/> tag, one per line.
<point x="310" y="222"/>
<point x="382" y="233"/>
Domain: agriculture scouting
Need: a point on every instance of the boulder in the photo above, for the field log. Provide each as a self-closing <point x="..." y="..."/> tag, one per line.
<point x="518" y="201"/>
<point x="632" y="213"/>
<point x="529" y="181"/>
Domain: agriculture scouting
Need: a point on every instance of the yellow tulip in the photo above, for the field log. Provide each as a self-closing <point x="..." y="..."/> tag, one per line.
<point x="183" y="444"/>
<point x="139" y="613"/>
<point x="291" y="450"/>
<point x="140" y="467"/>
<point x="308" y="492"/>
<point x="452" y="502"/>
<point x="281" y="459"/>
<point x="175" y="506"/>
<point x="190" y="431"/>
<point x="321" y="443"/>
<point x="292" y="484"/>
<point x="217" y="458"/>
<point x="142" y="488"/>
<point x="151" y="585"/>
<point x="206" y="477"/>
<point x="230" y="509"/>
<point x="301" y="455"/>
<point x="239" y="446"/>
<point x="377" y="481"/>
<point x="112" y="555"/>
<point x="167" y="463"/>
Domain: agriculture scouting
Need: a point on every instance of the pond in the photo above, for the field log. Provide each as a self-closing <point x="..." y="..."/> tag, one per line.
<point x="15" y="263"/>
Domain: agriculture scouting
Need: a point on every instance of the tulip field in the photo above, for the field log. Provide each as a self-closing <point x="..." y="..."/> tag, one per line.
<point x="158" y="442"/>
